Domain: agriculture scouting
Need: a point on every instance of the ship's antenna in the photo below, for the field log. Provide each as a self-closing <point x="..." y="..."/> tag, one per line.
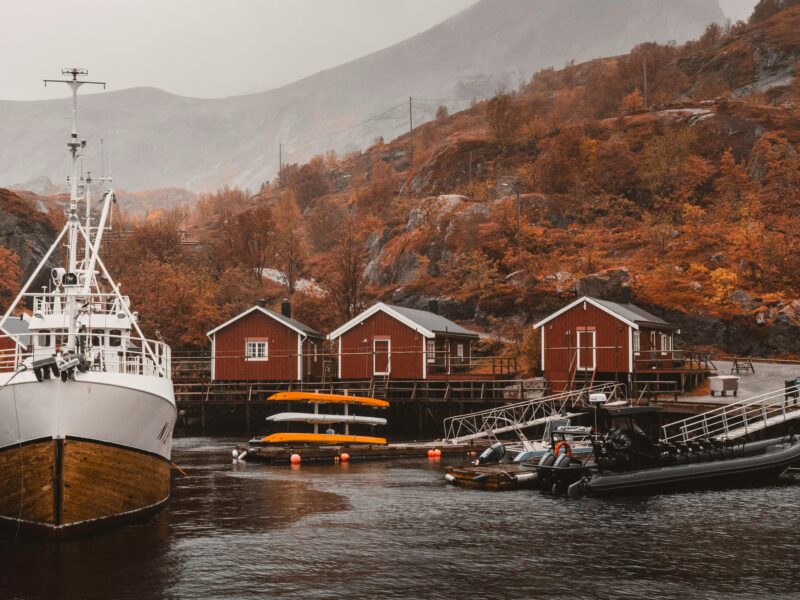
<point x="75" y="148"/>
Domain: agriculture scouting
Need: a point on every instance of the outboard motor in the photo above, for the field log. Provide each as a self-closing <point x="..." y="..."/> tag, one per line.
<point x="493" y="454"/>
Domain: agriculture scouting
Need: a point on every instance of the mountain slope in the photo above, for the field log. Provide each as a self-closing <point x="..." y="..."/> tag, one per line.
<point x="156" y="139"/>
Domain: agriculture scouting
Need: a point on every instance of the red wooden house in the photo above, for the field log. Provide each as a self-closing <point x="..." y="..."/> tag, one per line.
<point x="263" y="345"/>
<point x="401" y="343"/>
<point x="592" y="340"/>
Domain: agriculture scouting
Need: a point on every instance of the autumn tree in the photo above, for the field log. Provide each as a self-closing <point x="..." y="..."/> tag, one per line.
<point x="633" y="102"/>
<point x="290" y="246"/>
<point x="504" y="119"/>
<point x="341" y="269"/>
<point x="254" y="239"/>
<point x="775" y="163"/>
<point x="308" y="181"/>
<point x="10" y="275"/>
<point x="377" y="194"/>
<point x="732" y="185"/>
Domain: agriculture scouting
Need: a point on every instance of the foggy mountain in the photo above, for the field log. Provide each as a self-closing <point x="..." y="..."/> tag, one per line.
<point x="154" y="139"/>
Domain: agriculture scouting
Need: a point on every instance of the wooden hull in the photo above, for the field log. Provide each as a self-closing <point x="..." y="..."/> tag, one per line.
<point x="66" y="487"/>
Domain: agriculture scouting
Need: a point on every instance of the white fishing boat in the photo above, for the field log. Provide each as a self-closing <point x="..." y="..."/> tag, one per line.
<point x="87" y="407"/>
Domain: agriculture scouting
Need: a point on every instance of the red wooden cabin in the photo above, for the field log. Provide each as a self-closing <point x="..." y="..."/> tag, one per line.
<point x="263" y="345"/>
<point x="401" y="343"/>
<point x="592" y="340"/>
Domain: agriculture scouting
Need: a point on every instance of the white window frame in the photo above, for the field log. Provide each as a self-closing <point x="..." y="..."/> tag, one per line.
<point x="430" y="350"/>
<point x="388" y="341"/>
<point x="316" y="350"/>
<point x="666" y="343"/>
<point x="257" y="356"/>
<point x="43" y="338"/>
<point x="636" y="345"/>
<point x="114" y="338"/>
<point x="578" y="366"/>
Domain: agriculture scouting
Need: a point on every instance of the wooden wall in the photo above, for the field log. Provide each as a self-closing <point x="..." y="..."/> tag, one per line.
<point x="561" y="341"/>
<point x="229" y="351"/>
<point x="357" y="354"/>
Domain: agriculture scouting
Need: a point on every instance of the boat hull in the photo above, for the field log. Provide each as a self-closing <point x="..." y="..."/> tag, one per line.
<point x="84" y="454"/>
<point x="752" y="470"/>
<point x="65" y="487"/>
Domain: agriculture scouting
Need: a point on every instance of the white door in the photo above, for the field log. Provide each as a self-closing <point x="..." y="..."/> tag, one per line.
<point x="381" y="356"/>
<point x="587" y="353"/>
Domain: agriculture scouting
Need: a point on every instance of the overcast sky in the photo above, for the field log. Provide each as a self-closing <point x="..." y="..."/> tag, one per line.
<point x="206" y="48"/>
<point x="203" y="48"/>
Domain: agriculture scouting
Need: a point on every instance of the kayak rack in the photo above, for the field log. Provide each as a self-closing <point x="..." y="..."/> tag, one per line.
<point x="737" y="419"/>
<point x="518" y="416"/>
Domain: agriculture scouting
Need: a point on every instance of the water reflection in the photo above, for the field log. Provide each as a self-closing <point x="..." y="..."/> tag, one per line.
<point x="395" y="530"/>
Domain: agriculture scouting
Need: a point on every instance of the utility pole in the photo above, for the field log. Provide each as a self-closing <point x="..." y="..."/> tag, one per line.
<point x="280" y="164"/>
<point x="410" y="128"/>
<point x="645" y="83"/>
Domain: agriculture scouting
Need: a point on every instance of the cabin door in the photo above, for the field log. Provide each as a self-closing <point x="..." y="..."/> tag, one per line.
<point x="381" y="356"/>
<point x="586" y="350"/>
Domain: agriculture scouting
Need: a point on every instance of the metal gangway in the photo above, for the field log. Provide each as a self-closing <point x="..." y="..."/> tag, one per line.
<point x="518" y="416"/>
<point x="738" y="419"/>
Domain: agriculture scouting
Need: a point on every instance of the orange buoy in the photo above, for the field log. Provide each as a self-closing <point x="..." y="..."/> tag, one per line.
<point x="437" y="453"/>
<point x="295" y="459"/>
<point x="344" y="457"/>
<point x="431" y="453"/>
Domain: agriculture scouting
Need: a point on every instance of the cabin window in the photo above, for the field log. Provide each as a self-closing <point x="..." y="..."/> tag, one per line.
<point x="316" y="351"/>
<point x="96" y="341"/>
<point x="636" y="341"/>
<point x="44" y="338"/>
<point x="256" y="350"/>
<point x="666" y="342"/>
<point x="115" y="338"/>
<point x="430" y="350"/>
<point x="460" y="350"/>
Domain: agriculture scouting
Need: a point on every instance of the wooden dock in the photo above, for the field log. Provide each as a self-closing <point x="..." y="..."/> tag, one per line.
<point x="281" y="455"/>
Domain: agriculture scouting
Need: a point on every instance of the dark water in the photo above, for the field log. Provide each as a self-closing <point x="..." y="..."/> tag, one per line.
<point x="396" y="530"/>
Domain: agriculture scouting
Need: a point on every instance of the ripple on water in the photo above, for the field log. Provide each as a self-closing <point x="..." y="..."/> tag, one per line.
<point x="395" y="530"/>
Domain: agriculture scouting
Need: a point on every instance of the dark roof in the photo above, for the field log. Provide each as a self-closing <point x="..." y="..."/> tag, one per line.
<point x="288" y="321"/>
<point x="633" y="313"/>
<point x="295" y="323"/>
<point x="432" y="321"/>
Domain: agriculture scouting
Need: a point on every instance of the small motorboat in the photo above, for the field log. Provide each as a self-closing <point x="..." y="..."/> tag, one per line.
<point x="499" y="468"/>
<point x="626" y="461"/>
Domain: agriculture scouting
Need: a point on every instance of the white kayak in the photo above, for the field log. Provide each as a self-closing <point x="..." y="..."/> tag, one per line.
<point x="297" y="417"/>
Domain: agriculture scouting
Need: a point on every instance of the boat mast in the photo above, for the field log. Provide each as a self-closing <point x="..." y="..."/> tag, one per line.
<point x="75" y="149"/>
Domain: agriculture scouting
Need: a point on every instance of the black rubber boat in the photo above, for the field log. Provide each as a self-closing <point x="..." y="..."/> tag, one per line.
<point x="627" y="462"/>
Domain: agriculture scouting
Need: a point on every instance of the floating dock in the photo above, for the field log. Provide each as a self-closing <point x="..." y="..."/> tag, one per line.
<point x="282" y="455"/>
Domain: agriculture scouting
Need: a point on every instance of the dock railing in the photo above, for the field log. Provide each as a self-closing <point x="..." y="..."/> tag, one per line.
<point x="673" y="360"/>
<point x="520" y="415"/>
<point x="737" y="419"/>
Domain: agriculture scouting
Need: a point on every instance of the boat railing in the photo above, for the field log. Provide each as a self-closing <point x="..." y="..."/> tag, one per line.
<point x="514" y="417"/>
<point x="119" y="354"/>
<point x="737" y="419"/>
<point x="56" y="303"/>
